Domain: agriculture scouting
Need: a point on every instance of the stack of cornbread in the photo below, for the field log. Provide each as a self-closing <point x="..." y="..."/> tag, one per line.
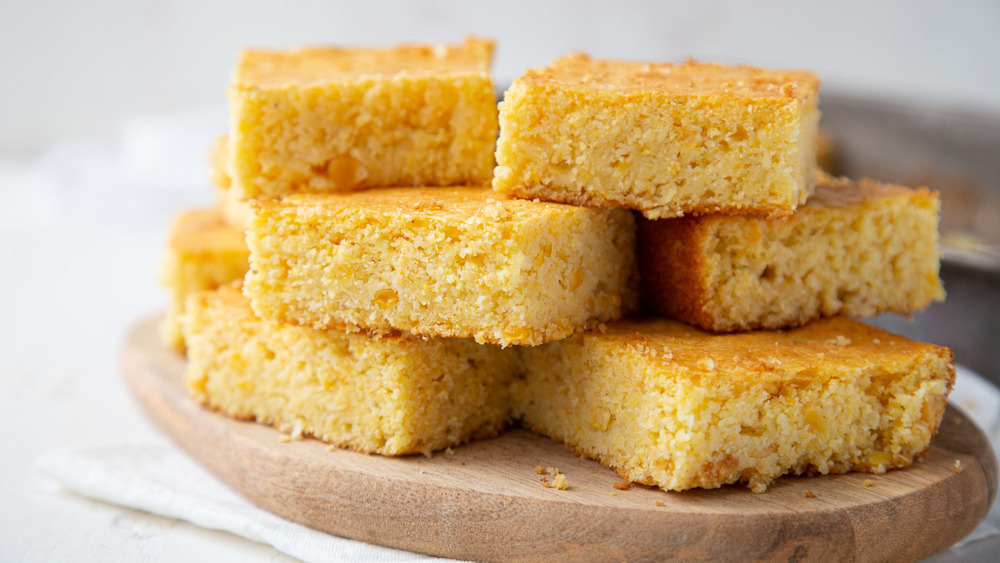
<point x="404" y="295"/>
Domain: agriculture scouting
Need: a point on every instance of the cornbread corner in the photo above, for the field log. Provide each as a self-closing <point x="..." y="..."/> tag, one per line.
<point x="203" y="252"/>
<point x="856" y="248"/>
<point x="665" y="139"/>
<point x="665" y="404"/>
<point x="392" y="395"/>
<point x="461" y="262"/>
<point x="235" y="211"/>
<point x="326" y="119"/>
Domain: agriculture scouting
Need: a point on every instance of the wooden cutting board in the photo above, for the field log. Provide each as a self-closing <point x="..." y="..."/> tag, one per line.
<point x="484" y="501"/>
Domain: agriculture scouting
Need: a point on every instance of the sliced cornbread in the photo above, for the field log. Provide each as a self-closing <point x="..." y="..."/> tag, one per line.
<point x="665" y="404"/>
<point x="441" y="262"/>
<point x="334" y="119"/>
<point x="203" y="252"/>
<point x="391" y="395"/>
<point x="856" y="248"/>
<point x="235" y="211"/>
<point x="666" y="139"/>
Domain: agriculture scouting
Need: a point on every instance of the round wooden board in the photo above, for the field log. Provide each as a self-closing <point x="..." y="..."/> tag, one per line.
<point x="485" y="501"/>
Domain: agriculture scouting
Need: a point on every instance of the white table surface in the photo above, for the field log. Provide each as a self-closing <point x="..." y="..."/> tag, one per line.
<point x="82" y="229"/>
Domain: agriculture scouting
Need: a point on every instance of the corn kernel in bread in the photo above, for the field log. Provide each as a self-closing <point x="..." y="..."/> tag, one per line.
<point x="335" y="119"/>
<point x="441" y="262"/>
<point x="856" y="248"/>
<point x="235" y="211"/>
<point x="203" y="252"/>
<point x="666" y="139"/>
<point x="665" y="404"/>
<point x="392" y="395"/>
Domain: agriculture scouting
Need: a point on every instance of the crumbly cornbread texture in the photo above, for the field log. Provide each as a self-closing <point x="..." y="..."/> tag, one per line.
<point x="392" y="395"/>
<point x="856" y="248"/>
<point x="203" y="252"/>
<point x="234" y="210"/>
<point x="441" y="262"/>
<point x="666" y="139"/>
<point x="335" y="119"/>
<point x="665" y="404"/>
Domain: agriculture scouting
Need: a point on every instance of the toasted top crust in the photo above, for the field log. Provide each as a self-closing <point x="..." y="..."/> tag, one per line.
<point x="844" y="192"/>
<point x="835" y="341"/>
<point x="456" y="203"/>
<point x="317" y="65"/>
<point x="580" y="71"/>
<point x="203" y="231"/>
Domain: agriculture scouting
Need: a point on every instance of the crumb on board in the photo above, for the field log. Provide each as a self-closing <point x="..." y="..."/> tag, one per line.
<point x="869" y="483"/>
<point x="558" y="479"/>
<point x="957" y="466"/>
<point x="614" y="494"/>
<point x="809" y="494"/>
<point x="622" y="485"/>
<point x="284" y="438"/>
<point x="660" y="503"/>
<point x="331" y="447"/>
<point x="560" y="482"/>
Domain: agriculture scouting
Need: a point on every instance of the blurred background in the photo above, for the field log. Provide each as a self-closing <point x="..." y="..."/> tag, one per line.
<point x="108" y="108"/>
<point x="73" y="69"/>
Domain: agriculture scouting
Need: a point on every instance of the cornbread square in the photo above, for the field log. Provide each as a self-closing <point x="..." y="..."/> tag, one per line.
<point x="335" y="119"/>
<point x="856" y="248"/>
<point x="665" y="404"/>
<point x="203" y="252"/>
<point x="666" y="139"/>
<point x="460" y="262"/>
<point x="392" y="395"/>
<point x="235" y="211"/>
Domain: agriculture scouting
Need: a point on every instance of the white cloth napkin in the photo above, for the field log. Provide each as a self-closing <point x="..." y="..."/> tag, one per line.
<point x="165" y="481"/>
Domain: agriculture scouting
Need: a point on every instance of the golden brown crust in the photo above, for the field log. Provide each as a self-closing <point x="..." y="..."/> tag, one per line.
<point x="204" y="231"/>
<point x="832" y="191"/>
<point x="839" y="341"/>
<point x="259" y="68"/>
<point x="444" y="203"/>
<point x="590" y="199"/>
<point x="579" y="70"/>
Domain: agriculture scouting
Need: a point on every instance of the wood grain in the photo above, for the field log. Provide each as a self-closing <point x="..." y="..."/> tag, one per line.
<point x="486" y="502"/>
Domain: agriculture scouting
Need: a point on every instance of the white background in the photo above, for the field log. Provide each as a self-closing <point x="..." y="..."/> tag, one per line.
<point x="78" y="68"/>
